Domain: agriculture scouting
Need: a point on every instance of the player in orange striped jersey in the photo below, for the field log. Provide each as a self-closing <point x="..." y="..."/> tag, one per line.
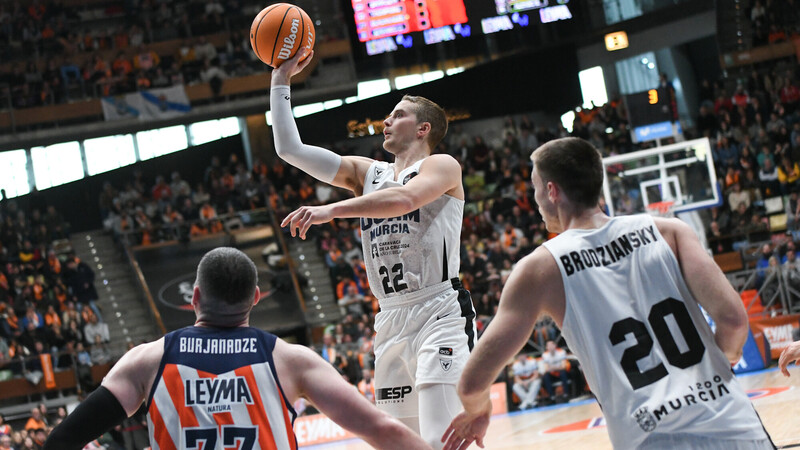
<point x="221" y="383"/>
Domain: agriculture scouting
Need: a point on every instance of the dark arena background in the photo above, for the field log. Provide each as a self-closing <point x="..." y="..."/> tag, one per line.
<point x="135" y="136"/>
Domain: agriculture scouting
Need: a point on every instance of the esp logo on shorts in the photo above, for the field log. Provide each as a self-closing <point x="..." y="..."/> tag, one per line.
<point x="392" y="393"/>
<point x="446" y="351"/>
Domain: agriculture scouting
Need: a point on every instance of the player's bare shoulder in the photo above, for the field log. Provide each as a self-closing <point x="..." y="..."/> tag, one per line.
<point x="540" y="264"/>
<point x="673" y="230"/>
<point x="538" y="276"/>
<point x="133" y="375"/>
<point x="141" y="362"/>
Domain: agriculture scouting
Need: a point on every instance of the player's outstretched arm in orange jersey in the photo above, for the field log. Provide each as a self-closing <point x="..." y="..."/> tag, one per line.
<point x="303" y="373"/>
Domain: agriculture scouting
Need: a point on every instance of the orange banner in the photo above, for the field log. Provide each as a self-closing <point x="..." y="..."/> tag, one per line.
<point x="778" y="331"/>
<point x="47" y="370"/>
<point x="319" y="429"/>
<point x="499" y="399"/>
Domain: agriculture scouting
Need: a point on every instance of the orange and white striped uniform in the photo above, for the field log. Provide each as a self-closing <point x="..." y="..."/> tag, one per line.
<point x="217" y="388"/>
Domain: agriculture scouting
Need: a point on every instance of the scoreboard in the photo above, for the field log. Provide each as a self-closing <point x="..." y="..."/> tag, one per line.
<point x="651" y="106"/>
<point x="383" y="18"/>
<point x="383" y="26"/>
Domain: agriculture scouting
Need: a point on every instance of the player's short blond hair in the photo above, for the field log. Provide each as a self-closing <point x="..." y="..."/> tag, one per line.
<point x="428" y="111"/>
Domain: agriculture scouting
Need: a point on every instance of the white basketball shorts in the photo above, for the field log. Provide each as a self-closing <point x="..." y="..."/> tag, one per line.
<point x="421" y="338"/>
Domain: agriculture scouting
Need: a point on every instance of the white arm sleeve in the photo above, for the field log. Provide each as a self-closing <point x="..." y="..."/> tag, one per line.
<point x="318" y="162"/>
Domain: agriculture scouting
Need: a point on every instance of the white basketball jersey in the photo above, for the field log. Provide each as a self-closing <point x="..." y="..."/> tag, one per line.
<point x="415" y="251"/>
<point x="646" y="350"/>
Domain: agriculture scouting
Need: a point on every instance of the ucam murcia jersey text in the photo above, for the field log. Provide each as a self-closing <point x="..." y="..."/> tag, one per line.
<point x="645" y="347"/>
<point x="417" y="250"/>
<point x="217" y="388"/>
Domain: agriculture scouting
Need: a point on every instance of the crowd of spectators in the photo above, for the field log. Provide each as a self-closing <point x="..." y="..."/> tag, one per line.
<point x="174" y="208"/>
<point x="31" y="434"/>
<point x="774" y="21"/>
<point x="755" y="136"/>
<point x="53" y="54"/>
<point x="47" y="298"/>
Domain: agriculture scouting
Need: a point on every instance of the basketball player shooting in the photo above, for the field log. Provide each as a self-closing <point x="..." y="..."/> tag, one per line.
<point x="411" y="212"/>
<point x="625" y="293"/>
<point x="221" y="383"/>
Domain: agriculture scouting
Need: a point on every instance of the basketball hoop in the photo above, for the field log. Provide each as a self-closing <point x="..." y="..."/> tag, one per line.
<point x="661" y="209"/>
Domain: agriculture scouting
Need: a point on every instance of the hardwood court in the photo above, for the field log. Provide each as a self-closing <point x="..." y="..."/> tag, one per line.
<point x="776" y="398"/>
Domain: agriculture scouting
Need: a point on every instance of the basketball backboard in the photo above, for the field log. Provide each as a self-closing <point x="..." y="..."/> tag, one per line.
<point x="681" y="173"/>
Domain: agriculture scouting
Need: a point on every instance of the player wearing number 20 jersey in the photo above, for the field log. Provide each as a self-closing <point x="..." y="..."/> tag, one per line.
<point x="625" y="293"/>
<point x="218" y="384"/>
<point x="645" y="346"/>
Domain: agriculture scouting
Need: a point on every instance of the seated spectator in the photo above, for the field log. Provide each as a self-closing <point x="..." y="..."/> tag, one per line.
<point x="768" y="175"/>
<point x="526" y="381"/>
<point x="738" y="196"/>
<point x="5" y="429"/>
<point x="32" y="317"/>
<point x="99" y="353"/>
<point x="555" y="364"/>
<point x="79" y="277"/>
<point x="214" y="76"/>
<point x="367" y="385"/>
<point x="741" y="219"/>
<point x="73" y="333"/>
<point x="731" y="178"/>
<point x="788" y="175"/>
<point x="35" y="422"/>
<point x="96" y="329"/>
<point x="352" y="302"/>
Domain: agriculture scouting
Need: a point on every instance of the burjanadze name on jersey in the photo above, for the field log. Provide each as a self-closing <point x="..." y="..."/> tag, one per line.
<point x="217" y="346"/>
<point x="217" y="394"/>
<point x="609" y="253"/>
<point x="392" y="225"/>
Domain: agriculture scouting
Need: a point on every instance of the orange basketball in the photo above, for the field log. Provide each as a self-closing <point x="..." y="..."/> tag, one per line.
<point x="279" y="31"/>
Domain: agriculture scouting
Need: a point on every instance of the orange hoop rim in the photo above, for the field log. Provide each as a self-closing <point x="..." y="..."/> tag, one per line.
<point x="661" y="207"/>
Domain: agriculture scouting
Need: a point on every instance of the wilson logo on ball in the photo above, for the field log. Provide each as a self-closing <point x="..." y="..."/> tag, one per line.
<point x="279" y="31"/>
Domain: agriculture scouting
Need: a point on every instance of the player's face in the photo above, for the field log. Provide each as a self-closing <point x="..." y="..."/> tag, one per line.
<point x="400" y="127"/>
<point x="543" y="204"/>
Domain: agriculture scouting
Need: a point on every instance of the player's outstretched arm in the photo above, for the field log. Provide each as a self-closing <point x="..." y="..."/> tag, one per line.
<point x="438" y="175"/>
<point x="709" y="287"/>
<point x="519" y="308"/>
<point x="346" y="172"/>
<point x="122" y="392"/>
<point x="303" y="373"/>
<point x="790" y="354"/>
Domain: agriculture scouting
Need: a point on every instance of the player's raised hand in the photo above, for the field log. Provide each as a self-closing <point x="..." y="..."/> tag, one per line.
<point x="291" y="67"/>
<point x="790" y="354"/>
<point x="301" y="219"/>
<point x="464" y="430"/>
